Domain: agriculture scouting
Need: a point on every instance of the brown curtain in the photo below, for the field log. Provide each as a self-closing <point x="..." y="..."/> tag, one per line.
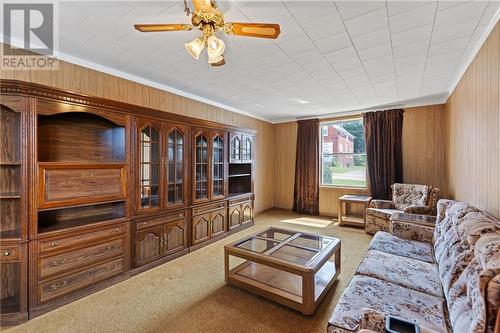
<point x="384" y="150"/>
<point x="306" y="190"/>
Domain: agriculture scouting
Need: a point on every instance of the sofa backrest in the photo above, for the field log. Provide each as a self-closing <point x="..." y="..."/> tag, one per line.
<point x="467" y="251"/>
<point x="404" y="195"/>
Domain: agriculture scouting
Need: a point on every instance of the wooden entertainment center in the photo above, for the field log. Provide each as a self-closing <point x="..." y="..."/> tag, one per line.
<point x="93" y="191"/>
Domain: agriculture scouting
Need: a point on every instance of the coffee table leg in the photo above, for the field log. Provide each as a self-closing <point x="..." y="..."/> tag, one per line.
<point x="308" y="293"/>
<point x="226" y="267"/>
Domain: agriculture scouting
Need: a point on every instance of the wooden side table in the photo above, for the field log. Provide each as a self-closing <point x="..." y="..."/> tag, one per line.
<point x="345" y="215"/>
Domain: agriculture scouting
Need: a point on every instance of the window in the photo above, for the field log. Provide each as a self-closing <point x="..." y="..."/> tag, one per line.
<point x="343" y="155"/>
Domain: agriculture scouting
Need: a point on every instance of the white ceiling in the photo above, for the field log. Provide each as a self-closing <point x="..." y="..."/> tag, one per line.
<point x="332" y="56"/>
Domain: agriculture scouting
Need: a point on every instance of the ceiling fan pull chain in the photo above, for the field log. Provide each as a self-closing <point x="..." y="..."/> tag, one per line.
<point x="186" y="8"/>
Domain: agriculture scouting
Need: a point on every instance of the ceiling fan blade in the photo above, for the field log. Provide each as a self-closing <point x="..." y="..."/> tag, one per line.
<point x="162" y="27"/>
<point x="262" y="30"/>
<point x="202" y="5"/>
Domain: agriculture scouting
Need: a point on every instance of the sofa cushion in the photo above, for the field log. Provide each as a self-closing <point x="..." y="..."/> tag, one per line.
<point x="384" y="213"/>
<point x="385" y="242"/>
<point x="409" y="273"/>
<point x="404" y="195"/>
<point x="390" y="299"/>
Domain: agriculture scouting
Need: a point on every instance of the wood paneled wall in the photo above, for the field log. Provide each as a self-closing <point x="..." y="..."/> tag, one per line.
<point x="423" y="158"/>
<point x="473" y="127"/>
<point x="87" y="81"/>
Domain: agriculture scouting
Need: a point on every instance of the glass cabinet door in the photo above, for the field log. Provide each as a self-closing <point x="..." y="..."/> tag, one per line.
<point x="175" y="170"/>
<point x="201" y="167"/>
<point x="218" y="166"/>
<point x="149" y="167"/>
<point x="235" y="148"/>
<point x="246" y="151"/>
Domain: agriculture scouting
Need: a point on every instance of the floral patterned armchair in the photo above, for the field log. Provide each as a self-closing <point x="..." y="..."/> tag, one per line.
<point x="406" y="198"/>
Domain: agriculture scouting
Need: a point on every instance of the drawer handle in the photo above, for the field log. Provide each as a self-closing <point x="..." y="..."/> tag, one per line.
<point x="58" y="285"/>
<point x="118" y="229"/>
<point x="54" y="244"/>
<point x="6" y="253"/>
<point x="83" y="175"/>
<point x="59" y="262"/>
<point x="111" y="267"/>
<point x="181" y="214"/>
<point x="221" y="205"/>
<point x="112" y="247"/>
<point x="197" y="211"/>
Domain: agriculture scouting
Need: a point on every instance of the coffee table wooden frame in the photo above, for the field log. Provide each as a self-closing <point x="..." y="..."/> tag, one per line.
<point x="312" y="292"/>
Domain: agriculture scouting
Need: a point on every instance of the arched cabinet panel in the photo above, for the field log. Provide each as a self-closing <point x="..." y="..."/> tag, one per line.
<point x="148" y="245"/>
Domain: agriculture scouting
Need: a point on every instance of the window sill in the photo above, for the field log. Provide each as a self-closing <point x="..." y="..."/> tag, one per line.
<point x="334" y="187"/>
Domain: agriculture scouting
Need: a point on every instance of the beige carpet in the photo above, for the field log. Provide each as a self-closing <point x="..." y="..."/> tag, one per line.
<point x="189" y="294"/>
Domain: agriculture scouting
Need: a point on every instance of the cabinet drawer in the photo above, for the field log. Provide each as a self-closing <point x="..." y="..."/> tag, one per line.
<point x="61" y="185"/>
<point x="81" y="257"/>
<point x="69" y="283"/>
<point x="61" y="243"/>
<point x="208" y="208"/>
<point x="240" y="199"/>
<point x="9" y="254"/>
<point x="143" y="223"/>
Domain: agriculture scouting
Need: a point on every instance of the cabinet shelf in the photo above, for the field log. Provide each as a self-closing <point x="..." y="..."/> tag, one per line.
<point x="240" y="175"/>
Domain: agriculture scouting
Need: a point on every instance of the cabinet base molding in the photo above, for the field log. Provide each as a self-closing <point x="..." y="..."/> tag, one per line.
<point x="158" y="262"/>
<point x="12" y="319"/>
<point x="47" y="307"/>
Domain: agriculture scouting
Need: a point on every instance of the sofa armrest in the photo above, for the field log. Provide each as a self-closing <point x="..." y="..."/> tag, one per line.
<point x="381" y="204"/>
<point x="422" y="210"/>
<point x="372" y="321"/>
<point x="418" y="219"/>
<point x="411" y="231"/>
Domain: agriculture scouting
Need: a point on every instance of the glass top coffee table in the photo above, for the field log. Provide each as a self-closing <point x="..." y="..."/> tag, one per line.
<point x="293" y="268"/>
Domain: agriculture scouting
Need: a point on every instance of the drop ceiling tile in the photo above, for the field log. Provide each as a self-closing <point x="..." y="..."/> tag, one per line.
<point x="276" y="59"/>
<point x="350" y="74"/>
<point x="410" y="69"/>
<point x="463" y="29"/>
<point x="375" y="52"/>
<point x="410" y="49"/>
<point x="489" y="14"/>
<point x="308" y="11"/>
<point x="414" y="59"/>
<point x="398" y="7"/>
<point x="308" y="57"/>
<point x="287" y="68"/>
<point x="297" y="45"/>
<point x="367" y="23"/>
<point x="334" y="42"/>
<point x="382" y="78"/>
<point x="375" y="38"/>
<point x="455" y="45"/>
<point x="413" y="19"/>
<point x="412" y="36"/>
<point x="341" y="55"/>
<point x="465" y="12"/>
<point x="346" y="65"/>
<point x="324" y="27"/>
<point x="350" y="9"/>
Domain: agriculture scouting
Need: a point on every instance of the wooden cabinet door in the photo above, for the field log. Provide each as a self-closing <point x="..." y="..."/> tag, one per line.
<point x="247" y="149"/>
<point x="234" y="148"/>
<point x="247" y="211"/>
<point x="201" y="228"/>
<point x="174" y="237"/>
<point x="148" y="245"/>
<point x="149" y="170"/>
<point x="235" y="216"/>
<point x="218" y="222"/>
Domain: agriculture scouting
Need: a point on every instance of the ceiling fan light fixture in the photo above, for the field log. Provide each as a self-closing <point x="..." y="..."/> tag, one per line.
<point x="195" y="47"/>
<point x="215" y="49"/>
<point x="221" y="61"/>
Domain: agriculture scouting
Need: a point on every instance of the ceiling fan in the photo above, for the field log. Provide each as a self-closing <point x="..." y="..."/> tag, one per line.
<point x="207" y="18"/>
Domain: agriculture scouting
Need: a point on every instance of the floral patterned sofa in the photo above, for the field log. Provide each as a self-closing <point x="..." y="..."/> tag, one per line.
<point x="451" y="284"/>
<point x="406" y="198"/>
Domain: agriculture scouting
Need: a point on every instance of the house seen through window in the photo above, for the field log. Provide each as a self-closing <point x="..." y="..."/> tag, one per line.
<point x="343" y="154"/>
